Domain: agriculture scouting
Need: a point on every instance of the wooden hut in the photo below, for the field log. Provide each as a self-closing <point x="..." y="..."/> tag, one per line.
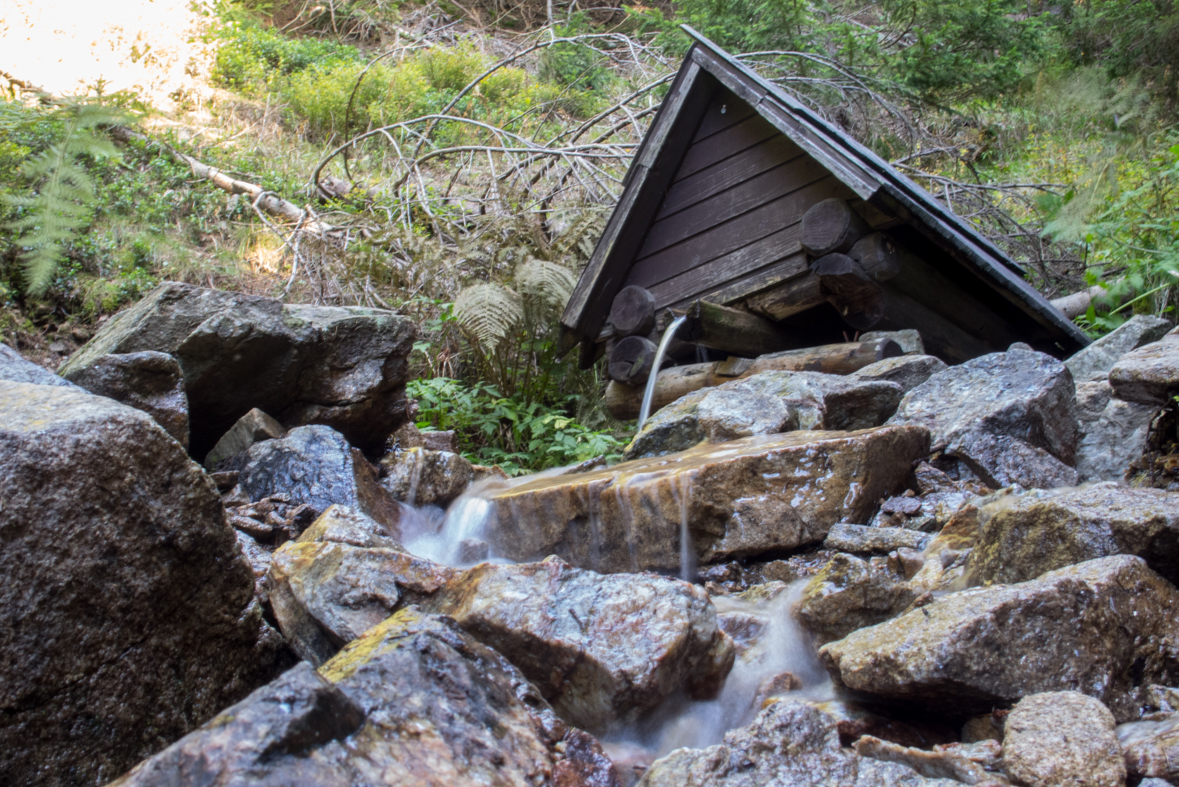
<point x="741" y="196"/>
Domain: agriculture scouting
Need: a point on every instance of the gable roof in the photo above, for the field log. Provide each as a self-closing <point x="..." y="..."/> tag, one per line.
<point x="866" y="174"/>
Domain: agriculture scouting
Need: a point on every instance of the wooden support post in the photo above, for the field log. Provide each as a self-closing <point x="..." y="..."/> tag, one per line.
<point x="631" y="360"/>
<point x="624" y="402"/>
<point x="831" y="225"/>
<point x="878" y="255"/>
<point x="731" y="330"/>
<point x="850" y="290"/>
<point x="633" y="312"/>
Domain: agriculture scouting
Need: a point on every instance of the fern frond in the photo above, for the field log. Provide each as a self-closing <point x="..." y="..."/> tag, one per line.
<point x="544" y="286"/>
<point x="489" y="312"/>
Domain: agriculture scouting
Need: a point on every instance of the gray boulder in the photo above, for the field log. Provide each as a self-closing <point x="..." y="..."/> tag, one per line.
<point x="766" y="403"/>
<point x="789" y="743"/>
<point x="415" y="701"/>
<point x="15" y="369"/>
<point x="1113" y="432"/>
<point x="148" y="381"/>
<point x="340" y="366"/>
<point x="1062" y="737"/>
<point x="253" y="427"/>
<point x="1010" y="417"/>
<point x="314" y="465"/>
<point x="859" y="538"/>
<point x="1103" y="628"/>
<point x="850" y="593"/>
<point x="1038" y="533"/>
<point x="909" y="340"/>
<point x="420" y="477"/>
<point x="126" y="604"/>
<point x="1093" y="363"/>
<point x="907" y="371"/>
<point x="1149" y="374"/>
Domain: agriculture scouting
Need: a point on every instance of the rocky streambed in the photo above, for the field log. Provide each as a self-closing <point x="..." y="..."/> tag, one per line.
<point x="914" y="574"/>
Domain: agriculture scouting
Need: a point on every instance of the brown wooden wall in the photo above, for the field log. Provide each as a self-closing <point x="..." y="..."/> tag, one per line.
<point x="729" y="223"/>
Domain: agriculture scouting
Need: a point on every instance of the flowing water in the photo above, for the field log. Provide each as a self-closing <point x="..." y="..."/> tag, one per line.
<point x="649" y="391"/>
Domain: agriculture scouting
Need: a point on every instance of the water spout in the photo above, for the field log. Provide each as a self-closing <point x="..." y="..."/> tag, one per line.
<point x="649" y="392"/>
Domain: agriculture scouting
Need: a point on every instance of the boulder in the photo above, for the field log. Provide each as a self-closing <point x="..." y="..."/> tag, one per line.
<point x="148" y="381"/>
<point x="602" y="649"/>
<point x="858" y="538"/>
<point x="735" y="499"/>
<point x="416" y="701"/>
<point x="789" y="743"/>
<point x="766" y="403"/>
<point x="1113" y="432"/>
<point x="850" y="593"/>
<point x="126" y="603"/>
<point x="1149" y="374"/>
<point x="907" y="371"/>
<point x="1150" y="747"/>
<point x="408" y="436"/>
<point x="420" y="477"/>
<point x="966" y="763"/>
<point x="909" y="340"/>
<point x="343" y="366"/>
<point x="943" y="566"/>
<point x="1102" y="628"/>
<point x="15" y="369"/>
<point x="1093" y="363"/>
<point x="1062" y="738"/>
<point x="314" y="465"/>
<point x="253" y="427"/>
<point x="1010" y="417"/>
<point x="1038" y="533"/>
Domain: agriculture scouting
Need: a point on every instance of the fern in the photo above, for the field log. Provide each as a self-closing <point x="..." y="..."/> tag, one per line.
<point x="62" y="201"/>
<point x="490" y="312"/>
<point x="544" y="287"/>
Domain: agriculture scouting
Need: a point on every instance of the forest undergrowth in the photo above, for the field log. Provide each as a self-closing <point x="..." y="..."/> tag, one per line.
<point x="456" y="162"/>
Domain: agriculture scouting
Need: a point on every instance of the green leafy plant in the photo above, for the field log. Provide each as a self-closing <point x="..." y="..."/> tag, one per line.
<point x="62" y="198"/>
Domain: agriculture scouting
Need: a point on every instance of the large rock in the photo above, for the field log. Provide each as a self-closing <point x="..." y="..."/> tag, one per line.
<point x="415" y="702"/>
<point x="1093" y="363"/>
<point x="126" y="603"/>
<point x="1062" y="738"/>
<point x="603" y="649"/>
<point x="766" y="403"/>
<point x="1151" y="747"/>
<point x="419" y="476"/>
<point x="907" y="371"/>
<point x="340" y="366"/>
<point x="738" y="498"/>
<point x="789" y="743"/>
<point x="314" y="465"/>
<point x="1102" y="628"/>
<point x="1011" y="417"/>
<point x="148" y="381"/>
<point x="1150" y="374"/>
<point x="253" y="427"/>
<point x="15" y="369"/>
<point x="1040" y="533"/>
<point x="1113" y="432"/>
<point x="850" y="593"/>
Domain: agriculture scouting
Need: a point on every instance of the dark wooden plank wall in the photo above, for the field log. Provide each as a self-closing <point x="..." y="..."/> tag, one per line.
<point x="729" y="223"/>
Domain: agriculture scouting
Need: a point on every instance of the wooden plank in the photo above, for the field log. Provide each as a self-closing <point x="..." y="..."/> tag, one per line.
<point x="725" y="110"/>
<point x="740" y="288"/>
<point x="727" y="143"/>
<point x="782" y="213"/>
<point x="590" y="301"/>
<point x="731" y="203"/>
<point x="751" y="91"/>
<point x="791" y="296"/>
<point x="724" y="174"/>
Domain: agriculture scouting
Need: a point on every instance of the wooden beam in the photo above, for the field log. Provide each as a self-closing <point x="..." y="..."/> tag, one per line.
<point x="829" y="226"/>
<point x="878" y="254"/>
<point x="790" y="297"/>
<point x="631" y="360"/>
<point x="633" y="312"/>
<point x="850" y="290"/>
<point x="731" y="330"/>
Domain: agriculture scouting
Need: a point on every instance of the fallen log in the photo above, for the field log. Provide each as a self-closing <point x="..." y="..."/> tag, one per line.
<point x="624" y="401"/>
<point x="1076" y="304"/>
<point x="730" y="330"/>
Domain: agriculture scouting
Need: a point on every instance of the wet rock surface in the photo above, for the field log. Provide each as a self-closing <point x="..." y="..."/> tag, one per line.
<point x="766" y="403"/>
<point x="790" y="743"/>
<point x="1038" y="533"/>
<point x="147" y="381"/>
<point x="1093" y="363"/>
<point x="1149" y="374"/>
<point x="741" y="497"/>
<point x="849" y="594"/>
<point x="907" y="371"/>
<point x="858" y="538"/>
<point x="1113" y="432"/>
<point x="1102" y="628"/>
<point x="414" y="701"/>
<point x="420" y="476"/>
<point x="127" y="606"/>
<point x="1010" y="417"/>
<point x="1062" y="738"/>
<point x="340" y="366"/>
<point x="1150" y="748"/>
<point x="316" y="466"/>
